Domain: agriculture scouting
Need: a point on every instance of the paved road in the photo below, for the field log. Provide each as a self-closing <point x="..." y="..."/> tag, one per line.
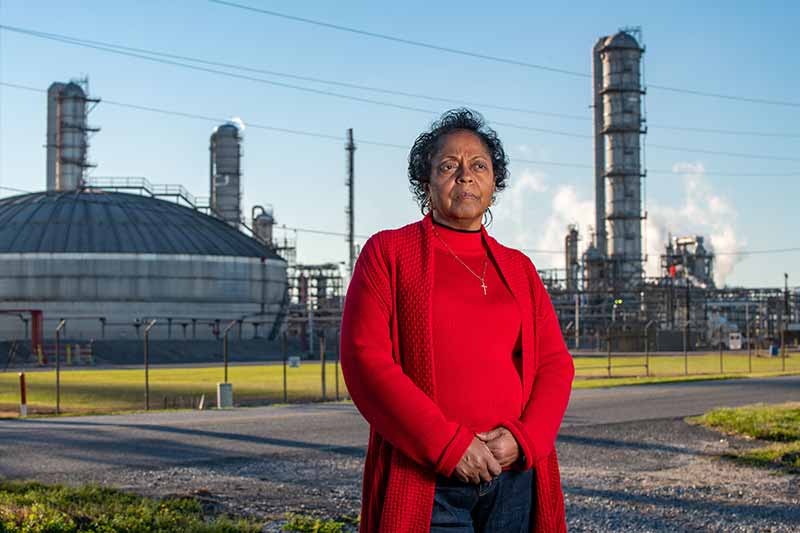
<point x="44" y="448"/>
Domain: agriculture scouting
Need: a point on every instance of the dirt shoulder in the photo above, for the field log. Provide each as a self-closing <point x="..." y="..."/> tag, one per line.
<point x="655" y="475"/>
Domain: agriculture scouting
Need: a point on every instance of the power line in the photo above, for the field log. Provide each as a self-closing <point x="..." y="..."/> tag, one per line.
<point x="405" y="147"/>
<point x="487" y="57"/>
<point x="725" y="132"/>
<point x="715" y="152"/>
<point x="723" y="96"/>
<point x="729" y="174"/>
<point x="401" y="40"/>
<point x="537" y="251"/>
<point x="381" y="90"/>
<point x="12" y="189"/>
<point x="366" y="142"/>
<point x="75" y="42"/>
<point x="755" y="252"/>
<point x="531" y="250"/>
<point x="320" y="232"/>
<point x="72" y="41"/>
<point x="209" y="118"/>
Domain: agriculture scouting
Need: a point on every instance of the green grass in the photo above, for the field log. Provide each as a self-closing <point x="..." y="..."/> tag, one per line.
<point x="597" y="383"/>
<point x="29" y="507"/>
<point x="779" y="424"/>
<point x="106" y="391"/>
<point x="123" y="390"/>
<point x="783" y="455"/>
<point x="674" y="365"/>
<point x="310" y="524"/>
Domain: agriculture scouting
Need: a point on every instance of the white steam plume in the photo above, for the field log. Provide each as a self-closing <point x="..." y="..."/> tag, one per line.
<point x="705" y="213"/>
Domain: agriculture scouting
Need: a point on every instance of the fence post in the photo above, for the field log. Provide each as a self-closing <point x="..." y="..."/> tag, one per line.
<point x="23" y="397"/>
<point x="60" y="326"/>
<point x="338" y="348"/>
<point x="225" y="347"/>
<point x="285" y="349"/>
<point x="749" y="342"/>
<point x="720" y="348"/>
<point x="147" y="364"/>
<point x="322" y="360"/>
<point x="647" y="347"/>
<point x="685" y="350"/>
<point x="609" y="352"/>
<point x="783" y="348"/>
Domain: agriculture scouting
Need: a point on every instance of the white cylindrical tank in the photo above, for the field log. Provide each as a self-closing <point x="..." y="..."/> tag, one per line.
<point x="226" y="160"/>
<point x="263" y="223"/>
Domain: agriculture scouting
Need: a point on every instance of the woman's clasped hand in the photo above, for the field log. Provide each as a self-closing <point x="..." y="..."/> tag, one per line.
<point x="488" y="453"/>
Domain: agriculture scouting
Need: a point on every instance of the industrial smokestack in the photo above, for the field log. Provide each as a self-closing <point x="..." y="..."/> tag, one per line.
<point x="67" y="135"/>
<point x="599" y="150"/>
<point x="226" y="174"/>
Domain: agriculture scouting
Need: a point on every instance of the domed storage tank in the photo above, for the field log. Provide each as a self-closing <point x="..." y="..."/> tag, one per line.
<point x="108" y="261"/>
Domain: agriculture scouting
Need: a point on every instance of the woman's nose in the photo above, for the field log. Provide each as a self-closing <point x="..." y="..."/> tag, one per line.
<point x="464" y="174"/>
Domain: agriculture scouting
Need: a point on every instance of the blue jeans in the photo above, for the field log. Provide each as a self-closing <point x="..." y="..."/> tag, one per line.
<point x="500" y="505"/>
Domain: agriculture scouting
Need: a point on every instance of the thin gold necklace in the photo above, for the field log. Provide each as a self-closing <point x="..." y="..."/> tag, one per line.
<point x="482" y="278"/>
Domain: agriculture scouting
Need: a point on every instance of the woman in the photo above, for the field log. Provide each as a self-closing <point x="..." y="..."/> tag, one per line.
<point x="452" y="351"/>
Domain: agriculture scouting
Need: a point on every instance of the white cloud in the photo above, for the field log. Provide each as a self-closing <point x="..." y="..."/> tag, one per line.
<point x="520" y="198"/>
<point x="702" y="211"/>
<point x="566" y="208"/>
<point x="531" y="181"/>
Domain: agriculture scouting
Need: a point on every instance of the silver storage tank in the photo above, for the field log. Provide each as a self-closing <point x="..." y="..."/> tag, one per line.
<point x="108" y="261"/>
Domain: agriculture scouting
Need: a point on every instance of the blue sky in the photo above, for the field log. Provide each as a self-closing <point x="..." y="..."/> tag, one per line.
<point x="736" y="48"/>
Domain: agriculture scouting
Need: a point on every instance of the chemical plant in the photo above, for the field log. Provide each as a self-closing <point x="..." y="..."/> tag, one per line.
<point x="115" y="256"/>
<point x="110" y="256"/>
<point x="603" y="298"/>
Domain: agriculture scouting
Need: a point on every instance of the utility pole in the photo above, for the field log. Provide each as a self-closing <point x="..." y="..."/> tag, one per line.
<point x="351" y="148"/>
<point x="785" y="318"/>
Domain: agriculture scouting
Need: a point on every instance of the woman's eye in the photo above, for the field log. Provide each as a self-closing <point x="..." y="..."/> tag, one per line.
<point x="480" y="165"/>
<point x="446" y="167"/>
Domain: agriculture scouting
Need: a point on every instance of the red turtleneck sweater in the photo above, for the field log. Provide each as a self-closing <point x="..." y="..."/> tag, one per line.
<point x="476" y="337"/>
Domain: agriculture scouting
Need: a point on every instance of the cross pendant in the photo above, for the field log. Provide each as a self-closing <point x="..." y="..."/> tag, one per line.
<point x="483" y="286"/>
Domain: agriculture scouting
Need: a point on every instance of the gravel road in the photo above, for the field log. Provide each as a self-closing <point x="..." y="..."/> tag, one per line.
<point x="657" y="475"/>
<point x="623" y="473"/>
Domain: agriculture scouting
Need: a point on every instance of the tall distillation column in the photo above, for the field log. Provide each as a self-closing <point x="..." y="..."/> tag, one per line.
<point x="618" y="107"/>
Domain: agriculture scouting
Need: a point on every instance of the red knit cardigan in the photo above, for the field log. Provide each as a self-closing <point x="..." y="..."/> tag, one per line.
<point x="387" y="362"/>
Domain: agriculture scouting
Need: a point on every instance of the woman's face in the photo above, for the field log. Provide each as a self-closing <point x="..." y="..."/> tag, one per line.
<point x="462" y="180"/>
